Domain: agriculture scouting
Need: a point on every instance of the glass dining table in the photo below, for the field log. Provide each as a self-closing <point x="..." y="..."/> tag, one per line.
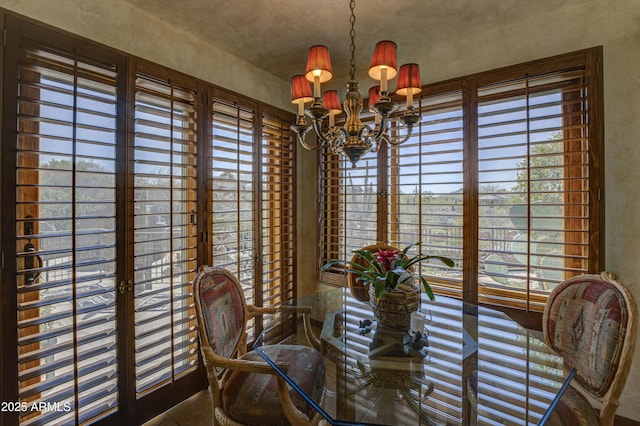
<point x="459" y="364"/>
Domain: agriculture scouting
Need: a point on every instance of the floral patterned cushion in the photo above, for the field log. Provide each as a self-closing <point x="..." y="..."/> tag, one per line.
<point x="252" y="399"/>
<point x="573" y="410"/>
<point x="586" y="324"/>
<point x="223" y="310"/>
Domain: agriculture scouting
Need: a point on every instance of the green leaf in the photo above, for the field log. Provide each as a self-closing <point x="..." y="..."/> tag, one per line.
<point x="374" y="273"/>
<point x="391" y="279"/>
<point x="443" y="259"/>
<point x="358" y="268"/>
<point x="331" y="263"/>
<point x="427" y="288"/>
<point x="404" y="252"/>
<point x="371" y="260"/>
<point x="449" y="262"/>
<point x="379" y="286"/>
<point x="365" y="254"/>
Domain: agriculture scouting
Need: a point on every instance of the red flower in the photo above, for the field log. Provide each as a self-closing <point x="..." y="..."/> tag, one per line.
<point x="385" y="257"/>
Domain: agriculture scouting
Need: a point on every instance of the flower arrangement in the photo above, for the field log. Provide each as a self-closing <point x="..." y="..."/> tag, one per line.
<point x="386" y="269"/>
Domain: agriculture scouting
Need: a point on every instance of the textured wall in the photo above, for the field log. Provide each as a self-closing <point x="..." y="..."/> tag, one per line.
<point x="118" y="24"/>
<point x="610" y="23"/>
<point x="616" y="26"/>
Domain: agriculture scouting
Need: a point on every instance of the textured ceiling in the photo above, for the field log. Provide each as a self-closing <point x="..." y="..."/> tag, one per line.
<point x="276" y="34"/>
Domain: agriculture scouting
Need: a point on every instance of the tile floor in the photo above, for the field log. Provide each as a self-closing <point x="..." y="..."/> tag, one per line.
<point x="195" y="411"/>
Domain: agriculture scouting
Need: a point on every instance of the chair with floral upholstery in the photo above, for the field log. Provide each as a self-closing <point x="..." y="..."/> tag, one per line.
<point x="590" y="320"/>
<point x="245" y="390"/>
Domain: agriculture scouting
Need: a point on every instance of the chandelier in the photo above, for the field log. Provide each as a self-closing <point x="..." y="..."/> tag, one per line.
<point x="353" y="139"/>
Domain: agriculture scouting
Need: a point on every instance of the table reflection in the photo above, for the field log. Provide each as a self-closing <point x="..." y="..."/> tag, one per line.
<point x="470" y="366"/>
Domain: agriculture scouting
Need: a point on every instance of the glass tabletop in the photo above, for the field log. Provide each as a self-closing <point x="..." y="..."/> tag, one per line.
<point x="458" y="364"/>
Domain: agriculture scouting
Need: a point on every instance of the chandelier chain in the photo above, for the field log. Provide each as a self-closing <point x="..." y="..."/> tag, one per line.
<point x="352" y="35"/>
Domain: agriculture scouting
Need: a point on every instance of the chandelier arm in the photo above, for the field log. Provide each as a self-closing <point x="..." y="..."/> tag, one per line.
<point x="376" y="143"/>
<point x="381" y="129"/>
<point x="337" y="137"/>
<point x="367" y="133"/>
<point x="398" y="141"/>
<point x="363" y="132"/>
<point x="306" y="146"/>
<point x="322" y="137"/>
<point x="371" y="136"/>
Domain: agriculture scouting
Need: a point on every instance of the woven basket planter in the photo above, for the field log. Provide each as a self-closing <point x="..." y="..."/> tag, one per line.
<point x="394" y="308"/>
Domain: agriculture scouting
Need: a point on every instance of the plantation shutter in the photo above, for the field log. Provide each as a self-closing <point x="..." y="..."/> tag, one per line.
<point x="534" y="189"/>
<point x="503" y="174"/>
<point x="350" y="209"/>
<point x="233" y="192"/>
<point x="66" y="237"/>
<point x="165" y="232"/>
<point x="425" y="187"/>
<point x="277" y="211"/>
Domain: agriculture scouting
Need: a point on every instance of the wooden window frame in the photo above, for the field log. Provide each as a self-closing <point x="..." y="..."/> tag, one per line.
<point x="587" y="60"/>
<point x="132" y="410"/>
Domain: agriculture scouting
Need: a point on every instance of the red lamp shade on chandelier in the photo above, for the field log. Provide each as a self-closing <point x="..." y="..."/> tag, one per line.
<point x="409" y="82"/>
<point x="318" y="67"/>
<point x="374" y="96"/>
<point x="331" y="101"/>
<point x="384" y="63"/>
<point x="300" y="92"/>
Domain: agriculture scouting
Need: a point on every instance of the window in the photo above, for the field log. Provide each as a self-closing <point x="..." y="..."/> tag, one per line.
<point x="533" y="184"/>
<point x="278" y="201"/>
<point x="165" y="246"/>
<point x="119" y="169"/>
<point x="233" y="192"/>
<point x="252" y="184"/>
<point x="425" y="178"/>
<point x="66" y="236"/>
<point x="502" y="174"/>
<point x="350" y="197"/>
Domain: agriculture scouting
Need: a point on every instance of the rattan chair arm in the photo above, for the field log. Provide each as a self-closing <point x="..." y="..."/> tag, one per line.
<point x="295" y="416"/>
<point x="253" y="311"/>
<point x="314" y="342"/>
